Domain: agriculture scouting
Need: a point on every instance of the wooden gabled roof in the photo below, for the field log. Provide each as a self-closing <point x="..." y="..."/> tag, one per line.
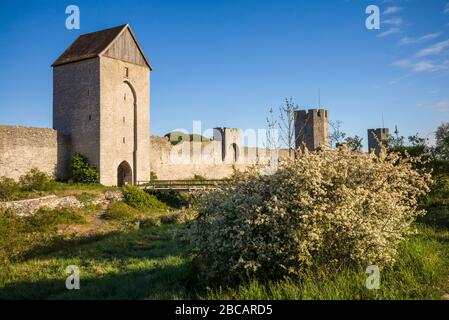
<point x="92" y="45"/>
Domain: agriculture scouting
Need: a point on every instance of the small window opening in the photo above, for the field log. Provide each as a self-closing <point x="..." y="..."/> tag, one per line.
<point x="88" y="92"/>
<point x="90" y="117"/>
<point x="126" y="72"/>
<point x="124" y="97"/>
<point x="123" y="119"/>
<point x="123" y="139"/>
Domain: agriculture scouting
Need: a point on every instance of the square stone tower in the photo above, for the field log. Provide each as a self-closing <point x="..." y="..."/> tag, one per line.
<point x="231" y="143"/>
<point x="101" y="99"/>
<point x="311" y="129"/>
<point x="378" y="138"/>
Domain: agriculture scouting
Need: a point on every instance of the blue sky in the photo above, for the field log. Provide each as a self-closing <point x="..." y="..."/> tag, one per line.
<point x="227" y="62"/>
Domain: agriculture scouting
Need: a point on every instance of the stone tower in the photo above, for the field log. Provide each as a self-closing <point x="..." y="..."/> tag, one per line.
<point x="311" y="129"/>
<point x="231" y="143"/>
<point x="101" y="99"/>
<point x="377" y="138"/>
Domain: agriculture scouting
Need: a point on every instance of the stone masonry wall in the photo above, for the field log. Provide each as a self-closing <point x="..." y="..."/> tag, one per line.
<point x="124" y="127"/>
<point x="76" y="106"/>
<point x="184" y="160"/>
<point x="22" y="148"/>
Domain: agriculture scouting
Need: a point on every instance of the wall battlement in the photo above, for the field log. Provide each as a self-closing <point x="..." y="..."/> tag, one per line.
<point x="311" y="129"/>
<point x="378" y="138"/>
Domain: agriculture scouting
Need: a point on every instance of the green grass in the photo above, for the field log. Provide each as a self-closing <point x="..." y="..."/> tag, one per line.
<point x="140" y="255"/>
<point x="138" y="264"/>
<point x="152" y="263"/>
<point x="61" y="189"/>
<point x="421" y="272"/>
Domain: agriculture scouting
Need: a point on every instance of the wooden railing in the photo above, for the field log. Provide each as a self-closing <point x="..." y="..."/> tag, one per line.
<point x="180" y="185"/>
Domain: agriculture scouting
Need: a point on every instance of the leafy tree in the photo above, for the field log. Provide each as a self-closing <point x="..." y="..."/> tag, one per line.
<point x="336" y="136"/>
<point x="395" y="142"/>
<point x="354" y="143"/>
<point x="81" y="171"/>
<point x="442" y="141"/>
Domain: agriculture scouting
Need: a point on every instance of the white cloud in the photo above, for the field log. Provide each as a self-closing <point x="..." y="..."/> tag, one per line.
<point x="398" y="79"/>
<point x="422" y="66"/>
<point x="395" y="21"/>
<point x="433" y="49"/>
<point x="443" y="106"/>
<point x="392" y="9"/>
<point x="389" y="32"/>
<point x="427" y="37"/>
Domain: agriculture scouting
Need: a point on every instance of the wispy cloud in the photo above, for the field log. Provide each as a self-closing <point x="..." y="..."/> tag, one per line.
<point x="392" y="9"/>
<point x="422" y="66"/>
<point x="427" y="37"/>
<point x="399" y="79"/>
<point x="443" y="106"/>
<point x="394" y="21"/>
<point x="389" y="32"/>
<point x="446" y="9"/>
<point x="433" y="49"/>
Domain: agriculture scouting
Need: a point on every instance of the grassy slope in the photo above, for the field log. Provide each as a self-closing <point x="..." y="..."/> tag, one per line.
<point x="138" y="264"/>
<point x="151" y="263"/>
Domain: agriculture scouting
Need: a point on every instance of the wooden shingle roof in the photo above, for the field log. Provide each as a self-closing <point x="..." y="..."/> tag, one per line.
<point x="91" y="45"/>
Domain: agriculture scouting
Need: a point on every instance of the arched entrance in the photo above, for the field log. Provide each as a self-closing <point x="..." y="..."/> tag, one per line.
<point x="233" y="153"/>
<point x="124" y="174"/>
<point x="129" y="121"/>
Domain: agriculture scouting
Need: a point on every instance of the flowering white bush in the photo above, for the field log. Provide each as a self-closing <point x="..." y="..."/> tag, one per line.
<point x="331" y="207"/>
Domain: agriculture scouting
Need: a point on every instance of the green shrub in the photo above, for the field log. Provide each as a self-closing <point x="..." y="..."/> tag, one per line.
<point x="46" y="219"/>
<point x="85" y="198"/>
<point x="150" y="222"/>
<point x="120" y="211"/>
<point x="437" y="204"/>
<point x="199" y="177"/>
<point x="21" y="236"/>
<point x="332" y="207"/>
<point x="8" y="189"/>
<point x="81" y="171"/>
<point x="35" y="180"/>
<point x="139" y="199"/>
<point x="153" y="176"/>
<point x="178" y="217"/>
<point x="172" y="198"/>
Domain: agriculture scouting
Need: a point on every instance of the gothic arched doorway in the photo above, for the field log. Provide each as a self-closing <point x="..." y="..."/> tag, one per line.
<point x="124" y="174"/>
<point x="233" y="153"/>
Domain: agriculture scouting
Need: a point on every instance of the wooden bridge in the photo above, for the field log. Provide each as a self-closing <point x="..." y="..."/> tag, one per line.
<point x="180" y="185"/>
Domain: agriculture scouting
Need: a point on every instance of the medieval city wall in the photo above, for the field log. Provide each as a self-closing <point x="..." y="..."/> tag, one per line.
<point x="23" y="148"/>
<point x="184" y="160"/>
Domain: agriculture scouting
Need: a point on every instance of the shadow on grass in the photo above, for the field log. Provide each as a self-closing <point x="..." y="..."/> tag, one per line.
<point x="57" y="244"/>
<point x="159" y="283"/>
<point x="138" y="264"/>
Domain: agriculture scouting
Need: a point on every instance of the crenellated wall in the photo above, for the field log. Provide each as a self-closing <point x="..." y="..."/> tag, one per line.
<point x="184" y="160"/>
<point x="23" y="148"/>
